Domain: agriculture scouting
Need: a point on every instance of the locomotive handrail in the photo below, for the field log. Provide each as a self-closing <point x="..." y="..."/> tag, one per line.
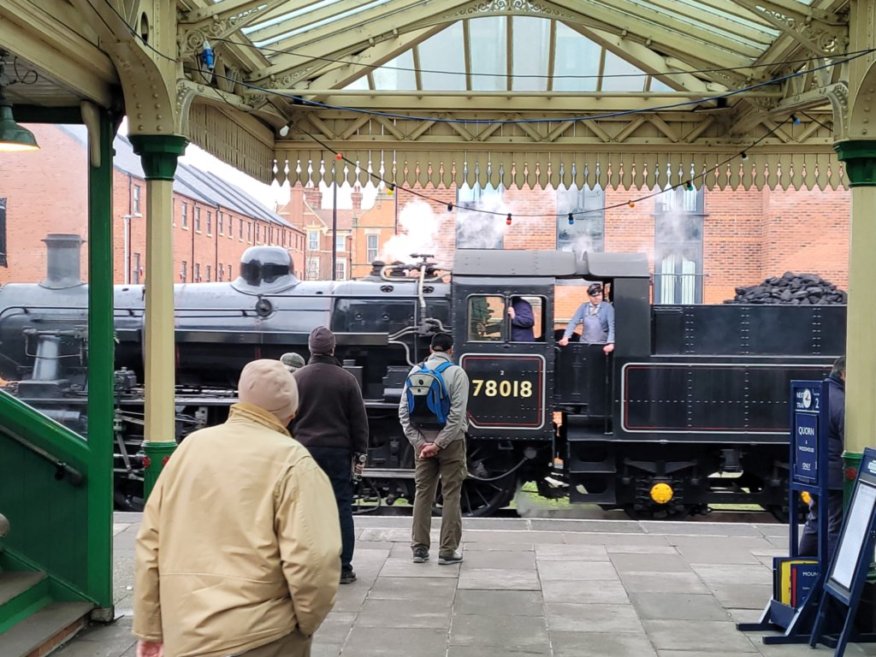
<point x="65" y="449"/>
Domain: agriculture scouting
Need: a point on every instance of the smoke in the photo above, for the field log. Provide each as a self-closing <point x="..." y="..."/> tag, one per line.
<point x="479" y="228"/>
<point x="419" y="227"/>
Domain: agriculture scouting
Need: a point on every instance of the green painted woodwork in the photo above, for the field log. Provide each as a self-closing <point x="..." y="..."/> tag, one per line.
<point x="101" y="354"/>
<point x="859" y="156"/>
<point x="159" y="154"/>
<point x="47" y="516"/>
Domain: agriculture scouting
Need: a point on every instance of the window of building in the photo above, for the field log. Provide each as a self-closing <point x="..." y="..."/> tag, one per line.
<point x="258" y="232"/>
<point x="230" y="273"/>
<point x="185" y="215"/>
<point x="230" y="226"/>
<point x="340" y="243"/>
<point x="249" y="232"/>
<point x="209" y="273"/>
<point x="198" y="219"/>
<point x="313" y="240"/>
<point x="678" y="246"/>
<point x="209" y="222"/>
<point x="341" y="269"/>
<point x="136" y="270"/>
<point x="220" y="273"/>
<point x="486" y="318"/>
<point x="135" y="199"/>
<point x="586" y="231"/>
<point x="3" y="261"/>
<point x="197" y="272"/>
<point x="240" y="229"/>
<point x="313" y="269"/>
<point x="479" y="230"/>
<point x="219" y="223"/>
<point x="371" y="248"/>
<point x="184" y="272"/>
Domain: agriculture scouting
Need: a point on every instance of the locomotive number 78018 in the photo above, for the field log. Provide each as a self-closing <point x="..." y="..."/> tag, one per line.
<point x="501" y="388"/>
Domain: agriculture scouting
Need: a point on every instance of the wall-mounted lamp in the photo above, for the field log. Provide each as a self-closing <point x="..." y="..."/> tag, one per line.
<point x="13" y="137"/>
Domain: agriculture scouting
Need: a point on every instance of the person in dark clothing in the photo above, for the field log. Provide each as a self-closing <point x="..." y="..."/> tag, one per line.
<point x="333" y="426"/>
<point x="522" y="320"/>
<point x="836" y="433"/>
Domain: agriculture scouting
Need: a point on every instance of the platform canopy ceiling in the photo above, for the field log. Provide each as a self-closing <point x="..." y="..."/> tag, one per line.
<point x="516" y="92"/>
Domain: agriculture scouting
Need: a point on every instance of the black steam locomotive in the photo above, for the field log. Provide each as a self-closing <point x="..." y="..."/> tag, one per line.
<point x="689" y="410"/>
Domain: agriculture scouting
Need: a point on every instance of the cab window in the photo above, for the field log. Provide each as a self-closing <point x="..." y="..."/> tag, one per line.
<point x="527" y="305"/>
<point x="486" y="316"/>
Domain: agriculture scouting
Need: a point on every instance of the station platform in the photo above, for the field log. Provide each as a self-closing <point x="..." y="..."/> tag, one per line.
<point x="532" y="587"/>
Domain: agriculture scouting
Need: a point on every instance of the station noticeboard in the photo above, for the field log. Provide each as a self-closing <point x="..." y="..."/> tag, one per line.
<point x="807" y="398"/>
<point x="854" y="554"/>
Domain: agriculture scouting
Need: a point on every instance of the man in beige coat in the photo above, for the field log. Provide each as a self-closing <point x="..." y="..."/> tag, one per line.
<point x="238" y="551"/>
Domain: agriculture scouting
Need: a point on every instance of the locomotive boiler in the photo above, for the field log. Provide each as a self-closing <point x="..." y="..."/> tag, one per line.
<point x="689" y="410"/>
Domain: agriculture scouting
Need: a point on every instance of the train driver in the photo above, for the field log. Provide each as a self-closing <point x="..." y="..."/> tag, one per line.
<point x="597" y="316"/>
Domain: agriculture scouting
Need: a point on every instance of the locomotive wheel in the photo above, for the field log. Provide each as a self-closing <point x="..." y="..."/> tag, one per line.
<point x="486" y="490"/>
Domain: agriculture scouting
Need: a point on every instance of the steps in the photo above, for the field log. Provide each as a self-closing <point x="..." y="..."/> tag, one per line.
<point x="32" y="623"/>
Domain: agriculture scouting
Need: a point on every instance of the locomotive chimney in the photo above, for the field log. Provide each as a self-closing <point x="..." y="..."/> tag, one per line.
<point x="63" y="251"/>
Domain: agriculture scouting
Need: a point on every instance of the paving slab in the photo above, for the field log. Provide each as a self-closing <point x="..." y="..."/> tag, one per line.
<point x="499" y="580"/>
<point x="678" y="606"/>
<point x="403" y="613"/>
<point x="522" y="632"/>
<point x="646" y="582"/>
<point x="584" y="592"/>
<point x="576" y="570"/>
<point x="697" y="635"/>
<point x="510" y="559"/>
<point x="603" y="644"/>
<point x="657" y="563"/>
<point x="578" y="552"/>
<point x="570" y="617"/>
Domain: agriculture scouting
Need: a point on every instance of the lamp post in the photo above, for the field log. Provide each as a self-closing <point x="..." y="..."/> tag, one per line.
<point x="127" y="244"/>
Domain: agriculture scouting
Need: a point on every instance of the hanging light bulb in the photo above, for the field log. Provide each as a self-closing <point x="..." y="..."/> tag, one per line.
<point x="795" y="119"/>
<point x="450" y="207"/>
<point x="632" y="204"/>
<point x="571" y="219"/>
<point x="743" y="155"/>
<point x="339" y="156"/>
<point x="508" y="219"/>
<point x="689" y="186"/>
<point x="390" y="188"/>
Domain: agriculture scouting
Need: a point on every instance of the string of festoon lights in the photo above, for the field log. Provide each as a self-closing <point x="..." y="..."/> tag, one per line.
<point x="687" y="184"/>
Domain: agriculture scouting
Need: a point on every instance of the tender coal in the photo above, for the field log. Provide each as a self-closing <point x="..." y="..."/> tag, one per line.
<point x="791" y="289"/>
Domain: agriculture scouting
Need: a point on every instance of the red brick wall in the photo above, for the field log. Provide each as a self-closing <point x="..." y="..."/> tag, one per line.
<point x="46" y="192"/>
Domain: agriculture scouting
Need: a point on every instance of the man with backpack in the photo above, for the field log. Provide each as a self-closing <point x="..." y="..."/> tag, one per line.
<point x="433" y="411"/>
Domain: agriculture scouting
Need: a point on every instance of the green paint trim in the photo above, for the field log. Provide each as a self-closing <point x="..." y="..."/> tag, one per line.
<point x="25" y="604"/>
<point x="101" y="370"/>
<point x="157" y="455"/>
<point x="36" y="114"/>
<point x="851" y="465"/>
<point x="859" y="156"/>
<point x="159" y="154"/>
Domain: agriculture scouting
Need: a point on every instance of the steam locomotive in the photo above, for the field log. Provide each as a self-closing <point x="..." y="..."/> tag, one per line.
<point x="689" y="410"/>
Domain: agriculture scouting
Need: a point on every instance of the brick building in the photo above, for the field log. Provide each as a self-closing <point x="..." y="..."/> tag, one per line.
<point x="304" y="211"/>
<point x="46" y="192"/>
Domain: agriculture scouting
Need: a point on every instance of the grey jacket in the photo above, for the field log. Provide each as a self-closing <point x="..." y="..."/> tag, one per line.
<point x="457" y="384"/>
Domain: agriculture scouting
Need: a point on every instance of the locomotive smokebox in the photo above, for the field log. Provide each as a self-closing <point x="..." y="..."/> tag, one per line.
<point x="63" y="261"/>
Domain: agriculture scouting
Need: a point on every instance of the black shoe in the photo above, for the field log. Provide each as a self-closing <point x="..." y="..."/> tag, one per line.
<point x="421" y="554"/>
<point x="348" y="576"/>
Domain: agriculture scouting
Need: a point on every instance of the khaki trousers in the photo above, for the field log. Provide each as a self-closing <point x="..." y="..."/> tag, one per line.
<point x="291" y="645"/>
<point x="450" y="466"/>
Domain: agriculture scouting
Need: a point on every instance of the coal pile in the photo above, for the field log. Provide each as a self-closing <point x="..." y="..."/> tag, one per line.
<point x="791" y="289"/>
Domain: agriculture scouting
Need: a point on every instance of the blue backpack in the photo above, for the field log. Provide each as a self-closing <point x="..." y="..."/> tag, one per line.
<point x="427" y="396"/>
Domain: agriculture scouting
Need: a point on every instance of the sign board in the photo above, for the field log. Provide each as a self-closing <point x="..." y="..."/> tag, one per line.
<point x="854" y="553"/>
<point x="805" y="424"/>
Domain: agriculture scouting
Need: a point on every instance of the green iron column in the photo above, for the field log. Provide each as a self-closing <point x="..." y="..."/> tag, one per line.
<point x="159" y="155"/>
<point x="101" y="353"/>
<point x="859" y="157"/>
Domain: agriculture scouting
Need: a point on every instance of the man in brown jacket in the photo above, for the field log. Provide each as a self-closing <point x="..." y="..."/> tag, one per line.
<point x="238" y="548"/>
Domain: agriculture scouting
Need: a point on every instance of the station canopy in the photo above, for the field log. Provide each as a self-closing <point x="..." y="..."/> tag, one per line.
<point x="620" y="93"/>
